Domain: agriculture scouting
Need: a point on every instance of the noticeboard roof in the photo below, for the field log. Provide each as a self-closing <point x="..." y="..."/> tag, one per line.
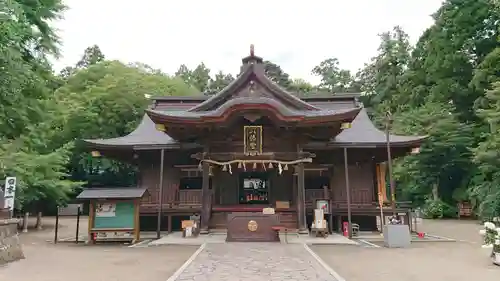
<point x="112" y="193"/>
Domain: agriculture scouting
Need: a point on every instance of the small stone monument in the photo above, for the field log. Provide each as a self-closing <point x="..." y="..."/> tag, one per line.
<point x="10" y="247"/>
<point x="396" y="235"/>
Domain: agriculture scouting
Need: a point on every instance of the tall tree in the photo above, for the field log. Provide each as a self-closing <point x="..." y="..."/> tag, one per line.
<point x="198" y="77"/>
<point x="443" y="62"/>
<point x="381" y="79"/>
<point x="91" y="55"/>
<point x="219" y="82"/>
<point x="107" y="100"/>
<point x="277" y="75"/>
<point x="486" y="183"/>
<point x="301" y="86"/>
<point x="25" y="90"/>
<point x="333" y="79"/>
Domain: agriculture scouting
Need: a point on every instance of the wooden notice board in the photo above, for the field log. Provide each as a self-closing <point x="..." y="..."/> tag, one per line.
<point x="122" y="217"/>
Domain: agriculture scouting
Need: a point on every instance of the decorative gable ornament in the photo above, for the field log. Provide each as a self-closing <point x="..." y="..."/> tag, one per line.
<point x="345" y="125"/>
<point x="160" y="127"/>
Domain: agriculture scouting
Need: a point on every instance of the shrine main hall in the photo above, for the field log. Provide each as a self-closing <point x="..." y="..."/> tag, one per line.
<point x="256" y="146"/>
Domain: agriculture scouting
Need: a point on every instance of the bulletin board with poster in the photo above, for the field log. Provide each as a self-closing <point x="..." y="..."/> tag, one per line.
<point x="323" y="204"/>
<point x="113" y="213"/>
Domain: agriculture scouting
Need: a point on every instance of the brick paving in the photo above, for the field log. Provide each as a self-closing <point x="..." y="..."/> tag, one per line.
<point x="254" y="262"/>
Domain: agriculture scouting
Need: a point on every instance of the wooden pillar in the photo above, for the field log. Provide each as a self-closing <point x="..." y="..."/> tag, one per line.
<point x="301" y="198"/>
<point x="301" y="202"/>
<point x="205" y="195"/>
<point x="160" y="192"/>
<point x="137" y="224"/>
<point x="91" y="220"/>
<point x="348" y="193"/>
<point x="169" y="227"/>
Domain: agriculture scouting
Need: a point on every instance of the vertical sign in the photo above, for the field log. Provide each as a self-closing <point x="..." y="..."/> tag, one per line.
<point x="252" y="140"/>
<point x="9" y="193"/>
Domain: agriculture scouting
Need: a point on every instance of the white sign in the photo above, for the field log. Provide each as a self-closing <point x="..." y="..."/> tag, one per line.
<point x="319" y="218"/>
<point x="268" y="211"/>
<point x="9" y="193"/>
<point x="105" y="210"/>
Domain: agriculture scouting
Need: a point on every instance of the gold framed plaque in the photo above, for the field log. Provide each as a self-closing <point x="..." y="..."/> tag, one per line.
<point x="252" y="140"/>
<point x="252" y="226"/>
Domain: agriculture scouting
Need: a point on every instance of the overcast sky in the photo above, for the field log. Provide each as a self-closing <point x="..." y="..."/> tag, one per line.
<point x="297" y="35"/>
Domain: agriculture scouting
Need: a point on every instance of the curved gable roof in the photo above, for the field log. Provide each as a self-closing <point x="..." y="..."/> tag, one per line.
<point x="253" y="71"/>
<point x="364" y="132"/>
<point x="144" y="134"/>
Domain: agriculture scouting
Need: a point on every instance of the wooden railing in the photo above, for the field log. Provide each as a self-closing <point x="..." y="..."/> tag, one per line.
<point x="189" y="197"/>
<point x="312" y="195"/>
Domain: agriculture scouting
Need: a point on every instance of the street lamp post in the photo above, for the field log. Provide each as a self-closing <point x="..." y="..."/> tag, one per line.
<point x="388" y="121"/>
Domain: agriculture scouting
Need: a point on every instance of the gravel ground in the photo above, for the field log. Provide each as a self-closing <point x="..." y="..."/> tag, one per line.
<point x="66" y="261"/>
<point x="429" y="261"/>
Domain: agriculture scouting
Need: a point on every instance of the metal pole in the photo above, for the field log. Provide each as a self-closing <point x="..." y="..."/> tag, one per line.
<point x="348" y="193"/>
<point x="57" y="226"/>
<point x="77" y="224"/>
<point x="160" y="209"/>
<point x="389" y="162"/>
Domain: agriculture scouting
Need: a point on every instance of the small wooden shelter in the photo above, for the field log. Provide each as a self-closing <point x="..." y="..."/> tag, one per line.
<point x="114" y="213"/>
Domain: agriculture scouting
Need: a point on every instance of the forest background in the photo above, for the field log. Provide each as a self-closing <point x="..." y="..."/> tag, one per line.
<point x="446" y="86"/>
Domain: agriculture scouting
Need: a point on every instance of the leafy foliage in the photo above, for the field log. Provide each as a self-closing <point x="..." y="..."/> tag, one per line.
<point x="447" y="87"/>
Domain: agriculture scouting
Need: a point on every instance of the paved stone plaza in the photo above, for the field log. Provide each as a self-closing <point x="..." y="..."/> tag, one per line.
<point x="254" y="262"/>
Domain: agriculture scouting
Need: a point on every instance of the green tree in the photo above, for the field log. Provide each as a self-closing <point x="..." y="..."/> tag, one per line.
<point x="198" y="77"/>
<point x="91" y="55"/>
<point x="277" y="75"/>
<point x="444" y="159"/>
<point x="445" y="57"/>
<point x="301" y="86"/>
<point x="107" y="100"/>
<point x="25" y="88"/>
<point x="486" y="183"/>
<point x="219" y="82"/>
<point x="333" y="79"/>
<point x="383" y="78"/>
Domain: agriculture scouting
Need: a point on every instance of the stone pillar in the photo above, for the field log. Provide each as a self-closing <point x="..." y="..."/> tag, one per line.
<point x="10" y="247"/>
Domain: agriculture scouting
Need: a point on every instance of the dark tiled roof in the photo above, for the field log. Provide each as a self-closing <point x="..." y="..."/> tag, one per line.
<point x="283" y="110"/>
<point x="144" y="134"/>
<point x="363" y="132"/>
<point x="303" y="96"/>
<point x="112" y="193"/>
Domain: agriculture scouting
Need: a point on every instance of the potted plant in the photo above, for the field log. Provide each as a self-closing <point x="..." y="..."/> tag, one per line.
<point x="491" y="234"/>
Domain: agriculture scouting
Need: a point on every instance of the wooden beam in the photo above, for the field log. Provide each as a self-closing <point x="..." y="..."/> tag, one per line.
<point x="228" y="156"/>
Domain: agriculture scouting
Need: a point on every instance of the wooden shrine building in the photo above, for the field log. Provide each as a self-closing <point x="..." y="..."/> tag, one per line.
<point x="255" y="145"/>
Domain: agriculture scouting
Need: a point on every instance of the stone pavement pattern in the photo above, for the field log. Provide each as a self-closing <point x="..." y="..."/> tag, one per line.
<point x="254" y="262"/>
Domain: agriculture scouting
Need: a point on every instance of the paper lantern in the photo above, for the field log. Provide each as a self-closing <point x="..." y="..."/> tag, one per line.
<point x="415" y="150"/>
<point x="95" y="153"/>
